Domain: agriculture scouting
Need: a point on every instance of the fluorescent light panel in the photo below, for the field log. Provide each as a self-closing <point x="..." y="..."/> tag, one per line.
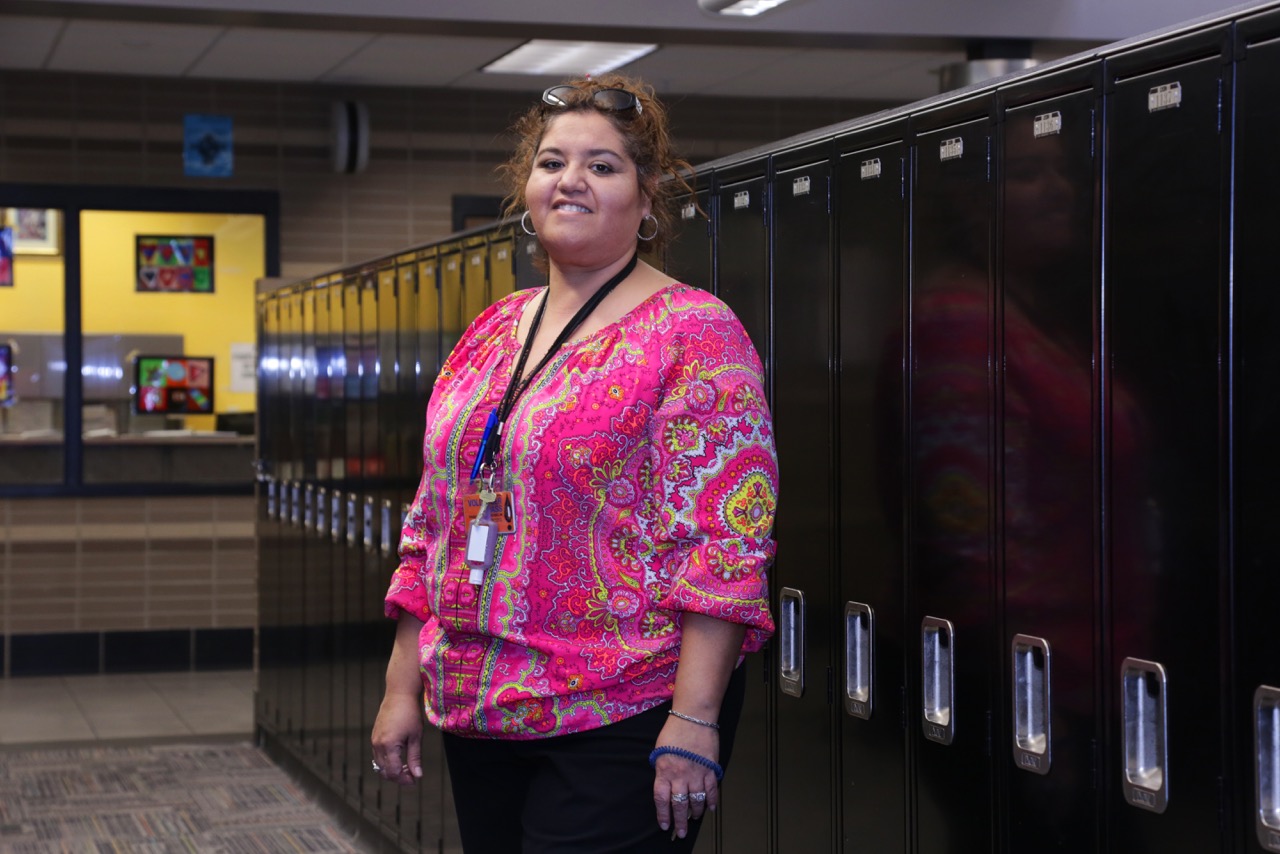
<point x="748" y="8"/>
<point x="564" y="58"/>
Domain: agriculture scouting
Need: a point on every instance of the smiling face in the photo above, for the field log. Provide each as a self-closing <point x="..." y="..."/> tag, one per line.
<point x="584" y="193"/>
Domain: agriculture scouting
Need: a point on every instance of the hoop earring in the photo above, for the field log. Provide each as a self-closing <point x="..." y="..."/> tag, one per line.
<point x="655" y="228"/>
<point x="524" y="224"/>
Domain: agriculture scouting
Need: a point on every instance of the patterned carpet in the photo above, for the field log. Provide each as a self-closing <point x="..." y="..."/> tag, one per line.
<point x="156" y="799"/>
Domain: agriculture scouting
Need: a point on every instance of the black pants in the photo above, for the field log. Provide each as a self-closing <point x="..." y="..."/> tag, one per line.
<point x="590" y="792"/>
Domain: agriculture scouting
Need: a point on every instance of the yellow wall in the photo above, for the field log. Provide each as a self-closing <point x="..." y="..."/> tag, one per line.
<point x="35" y="302"/>
<point x="209" y="323"/>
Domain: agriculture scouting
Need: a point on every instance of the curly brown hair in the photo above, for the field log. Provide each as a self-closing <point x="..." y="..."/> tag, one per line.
<point x="647" y="140"/>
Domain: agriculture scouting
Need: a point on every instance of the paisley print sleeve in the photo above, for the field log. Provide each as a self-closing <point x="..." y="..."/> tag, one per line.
<point x="714" y="476"/>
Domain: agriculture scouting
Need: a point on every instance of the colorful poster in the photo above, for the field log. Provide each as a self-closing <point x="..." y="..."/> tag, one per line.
<point x="6" y="257"/>
<point x="174" y="264"/>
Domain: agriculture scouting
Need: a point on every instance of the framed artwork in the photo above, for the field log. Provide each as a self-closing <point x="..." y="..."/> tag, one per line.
<point x="173" y="263"/>
<point x="36" y="231"/>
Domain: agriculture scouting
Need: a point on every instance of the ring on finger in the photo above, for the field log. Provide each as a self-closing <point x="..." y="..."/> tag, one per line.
<point x="679" y="798"/>
<point x="697" y="797"/>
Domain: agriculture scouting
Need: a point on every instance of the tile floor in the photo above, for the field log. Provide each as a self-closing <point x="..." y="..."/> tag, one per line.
<point x="77" y="709"/>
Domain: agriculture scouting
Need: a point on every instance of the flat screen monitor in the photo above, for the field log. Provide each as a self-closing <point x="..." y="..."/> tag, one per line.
<point x="173" y="385"/>
<point x="6" y="374"/>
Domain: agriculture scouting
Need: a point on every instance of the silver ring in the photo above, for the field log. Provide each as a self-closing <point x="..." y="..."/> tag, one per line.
<point x="377" y="769"/>
<point x="679" y="799"/>
<point x="697" y="797"/>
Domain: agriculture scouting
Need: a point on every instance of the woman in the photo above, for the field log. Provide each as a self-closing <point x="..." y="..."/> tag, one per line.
<point x="584" y="563"/>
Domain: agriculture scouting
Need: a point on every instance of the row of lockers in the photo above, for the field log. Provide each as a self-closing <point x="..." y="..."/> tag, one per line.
<point x="1020" y="350"/>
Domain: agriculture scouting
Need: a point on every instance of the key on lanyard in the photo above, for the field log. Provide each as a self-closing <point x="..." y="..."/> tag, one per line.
<point x="482" y="537"/>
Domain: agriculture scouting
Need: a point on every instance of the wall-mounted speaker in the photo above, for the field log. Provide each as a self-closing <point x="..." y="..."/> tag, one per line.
<point x="350" y="137"/>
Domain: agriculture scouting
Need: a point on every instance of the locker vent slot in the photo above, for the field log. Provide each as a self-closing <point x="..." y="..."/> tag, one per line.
<point x="791" y="641"/>
<point x="1164" y="97"/>
<point x="937" y="638"/>
<point x="1144" y="690"/>
<point x="689" y="211"/>
<point x="741" y="199"/>
<point x="1031" y="737"/>
<point x="951" y="149"/>
<point x="800" y="186"/>
<point x="859" y="655"/>
<point x="871" y="169"/>
<point x="1266" y="740"/>
<point x="1048" y="124"/>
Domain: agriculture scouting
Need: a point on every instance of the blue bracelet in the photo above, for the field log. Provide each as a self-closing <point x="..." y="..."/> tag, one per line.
<point x="690" y="755"/>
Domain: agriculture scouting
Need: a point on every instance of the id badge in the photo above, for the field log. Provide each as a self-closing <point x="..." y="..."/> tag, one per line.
<point x="500" y="511"/>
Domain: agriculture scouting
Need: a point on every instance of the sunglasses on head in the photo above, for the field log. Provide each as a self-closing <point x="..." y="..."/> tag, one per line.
<point x="614" y="100"/>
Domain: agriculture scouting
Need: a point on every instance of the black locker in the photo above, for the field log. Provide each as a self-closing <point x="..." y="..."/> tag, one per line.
<point x="871" y="676"/>
<point x="689" y="251"/>
<point x="293" y="568"/>
<point x="337" y="538"/>
<point x="746" y="815"/>
<point x="1050" y="649"/>
<point x="803" y="577"/>
<point x="527" y="273"/>
<point x="314" y="592"/>
<point x="272" y="423"/>
<point x="950" y="502"/>
<point x="1165" y="160"/>
<point x="1255" y="423"/>
<point x="355" y="744"/>
<point x="320" y="586"/>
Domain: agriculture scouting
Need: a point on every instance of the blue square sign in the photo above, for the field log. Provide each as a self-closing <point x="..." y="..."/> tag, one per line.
<point x="206" y="146"/>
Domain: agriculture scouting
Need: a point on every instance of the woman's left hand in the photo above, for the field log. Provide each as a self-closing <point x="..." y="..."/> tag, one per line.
<point x="683" y="789"/>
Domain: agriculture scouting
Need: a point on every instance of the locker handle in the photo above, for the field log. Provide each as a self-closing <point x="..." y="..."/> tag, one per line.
<point x="370" y="539"/>
<point x="271" y="497"/>
<point x="859" y="643"/>
<point x="309" y="506"/>
<point x="1144" y="692"/>
<point x="335" y="516"/>
<point x="387" y="539"/>
<point x="1266" y="740"/>
<point x="352" y="530"/>
<point x="1031" y="718"/>
<point x="295" y="504"/>
<point x="791" y="620"/>
<point x="938" y="664"/>
<point x="322" y="507"/>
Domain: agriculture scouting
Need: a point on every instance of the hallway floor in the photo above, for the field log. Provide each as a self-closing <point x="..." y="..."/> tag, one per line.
<point x="41" y="710"/>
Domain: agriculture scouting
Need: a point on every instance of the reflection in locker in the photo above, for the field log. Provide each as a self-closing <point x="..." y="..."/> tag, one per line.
<point x="1167" y="155"/>
<point x="871" y="674"/>
<point x="805" y="753"/>
<point x="950" y="490"/>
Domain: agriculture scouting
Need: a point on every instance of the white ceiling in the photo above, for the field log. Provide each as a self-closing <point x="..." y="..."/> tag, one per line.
<point x="888" y="50"/>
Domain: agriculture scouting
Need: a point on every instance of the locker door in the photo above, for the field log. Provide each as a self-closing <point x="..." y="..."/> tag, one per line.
<point x="273" y="423"/>
<point x="1049" y="647"/>
<point x="475" y="287"/>
<point x="356" y="750"/>
<point x="337" y="518"/>
<point x="689" y="252"/>
<point x="1164" y="194"/>
<point x="527" y="273"/>
<point x="381" y="473"/>
<point x="452" y="322"/>
<point x="502" y="265"/>
<point x="950" y="482"/>
<point x="292" y="605"/>
<point x="314" y="593"/>
<point x="320" y="648"/>
<point x="429" y="358"/>
<point x="871" y="675"/>
<point x="803" y="413"/>
<point x="745" y="820"/>
<point x="1256" y="423"/>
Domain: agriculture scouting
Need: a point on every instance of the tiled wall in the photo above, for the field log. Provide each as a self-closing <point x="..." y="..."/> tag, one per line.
<point x="426" y="145"/>
<point x="106" y="567"/>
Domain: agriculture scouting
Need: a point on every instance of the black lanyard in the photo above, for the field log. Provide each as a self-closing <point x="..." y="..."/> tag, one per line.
<point x="515" y="386"/>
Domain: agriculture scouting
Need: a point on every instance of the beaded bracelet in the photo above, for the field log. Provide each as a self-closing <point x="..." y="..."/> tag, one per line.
<point x="691" y="719"/>
<point x="687" y="754"/>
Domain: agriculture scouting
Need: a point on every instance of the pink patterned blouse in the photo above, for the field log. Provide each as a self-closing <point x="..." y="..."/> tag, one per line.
<point x="644" y="484"/>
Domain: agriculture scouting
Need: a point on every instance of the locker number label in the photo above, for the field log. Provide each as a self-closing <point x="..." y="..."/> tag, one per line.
<point x="800" y="186"/>
<point x="1048" y="124"/>
<point x="1164" y="97"/>
<point x="741" y="199"/>
<point x="688" y="211"/>
<point x="951" y="149"/>
<point x="871" y="169"/>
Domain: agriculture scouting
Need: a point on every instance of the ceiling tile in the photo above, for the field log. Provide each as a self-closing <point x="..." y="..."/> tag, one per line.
<point x="245" y="53"/>
<point x="129" y="47"/>
<point x="391" y="60"/>
<point x="25" y="42"/>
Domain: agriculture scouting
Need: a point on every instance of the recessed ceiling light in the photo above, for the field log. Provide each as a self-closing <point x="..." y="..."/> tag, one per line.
<point x="561" y="58"/>
<point x="748" y="8"/>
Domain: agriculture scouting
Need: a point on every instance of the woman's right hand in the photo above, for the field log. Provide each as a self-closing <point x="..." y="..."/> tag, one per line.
<point x="397" y="739"/>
